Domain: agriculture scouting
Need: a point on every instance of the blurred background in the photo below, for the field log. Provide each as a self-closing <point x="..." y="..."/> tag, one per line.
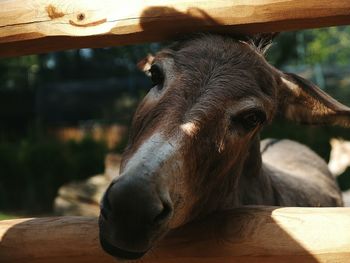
<point x="65" y="117"/>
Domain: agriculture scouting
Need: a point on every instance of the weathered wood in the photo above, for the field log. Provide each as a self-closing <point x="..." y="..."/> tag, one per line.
<point x="250" y="234"/>
<point x="37" y="26"/>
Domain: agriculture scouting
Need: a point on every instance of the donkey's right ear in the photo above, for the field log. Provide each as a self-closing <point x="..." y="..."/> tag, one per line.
<point x="302" y="101"/>
<point x="145" y="64"/>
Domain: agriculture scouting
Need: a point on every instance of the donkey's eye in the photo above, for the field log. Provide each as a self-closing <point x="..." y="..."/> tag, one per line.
<point x="253" y="119"/>
<point x="157" y="76"/>
<point x="249" y="120"/>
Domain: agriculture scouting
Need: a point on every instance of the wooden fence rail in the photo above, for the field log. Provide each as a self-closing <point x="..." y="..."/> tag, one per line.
<point x="250" y="234"/>
<point x="37" y="26"/>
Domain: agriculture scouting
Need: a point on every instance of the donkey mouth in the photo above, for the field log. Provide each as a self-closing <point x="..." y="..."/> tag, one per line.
<point x="119" y="253"/>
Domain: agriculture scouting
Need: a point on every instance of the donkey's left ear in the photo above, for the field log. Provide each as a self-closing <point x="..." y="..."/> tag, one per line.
<point x="302" y="101"/>
<point x="145" y="64"/>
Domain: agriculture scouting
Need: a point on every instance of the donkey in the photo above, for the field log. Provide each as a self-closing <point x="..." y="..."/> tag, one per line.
<point x="194" y="147"/>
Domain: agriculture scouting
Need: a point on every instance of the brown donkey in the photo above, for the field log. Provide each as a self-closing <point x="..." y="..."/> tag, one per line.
<point x="194" y="146"/>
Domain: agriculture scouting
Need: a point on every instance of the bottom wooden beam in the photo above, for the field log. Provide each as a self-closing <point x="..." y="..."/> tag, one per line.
<point x="249" y="234"/>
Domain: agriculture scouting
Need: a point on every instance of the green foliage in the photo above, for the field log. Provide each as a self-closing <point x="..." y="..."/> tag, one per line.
<point x="32" y="171"/>
<point x="328" y="45"/>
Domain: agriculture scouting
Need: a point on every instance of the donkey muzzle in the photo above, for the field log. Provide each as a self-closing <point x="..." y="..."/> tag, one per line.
<point x="134" y="214"/>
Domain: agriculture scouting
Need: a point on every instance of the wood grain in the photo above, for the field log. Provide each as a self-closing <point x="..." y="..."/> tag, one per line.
<point x="38" y="26"/>
<point x="250" y="234"/>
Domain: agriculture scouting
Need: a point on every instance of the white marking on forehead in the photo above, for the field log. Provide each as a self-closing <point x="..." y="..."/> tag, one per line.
<point x="153" y="153"/>
<point x="189" y="128"/>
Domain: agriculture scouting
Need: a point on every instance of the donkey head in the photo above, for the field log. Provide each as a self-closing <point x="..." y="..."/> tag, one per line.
<point x="194" y="135"/>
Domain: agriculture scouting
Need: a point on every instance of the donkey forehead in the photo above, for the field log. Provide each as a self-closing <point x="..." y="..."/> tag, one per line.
<point x="213" y="50"/>
<point x="214" y="65"/>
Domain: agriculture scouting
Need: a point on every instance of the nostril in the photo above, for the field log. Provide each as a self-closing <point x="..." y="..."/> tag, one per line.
<point x="164" y="214"/>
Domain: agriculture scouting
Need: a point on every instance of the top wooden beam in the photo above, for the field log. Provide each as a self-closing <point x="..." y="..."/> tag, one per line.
<point x="38" y="26"/>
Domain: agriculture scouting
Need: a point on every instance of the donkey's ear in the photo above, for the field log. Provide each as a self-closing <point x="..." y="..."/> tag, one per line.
<point x="145" y="63"/>
<point x="304" y="102"/>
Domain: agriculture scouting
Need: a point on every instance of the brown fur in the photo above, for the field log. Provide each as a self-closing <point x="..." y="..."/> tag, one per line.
<point x="208" y="75"/>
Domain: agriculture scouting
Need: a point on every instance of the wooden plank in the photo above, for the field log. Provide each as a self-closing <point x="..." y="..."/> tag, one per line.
<point x="250" y="234"/>
<point x="37" y="26"/>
